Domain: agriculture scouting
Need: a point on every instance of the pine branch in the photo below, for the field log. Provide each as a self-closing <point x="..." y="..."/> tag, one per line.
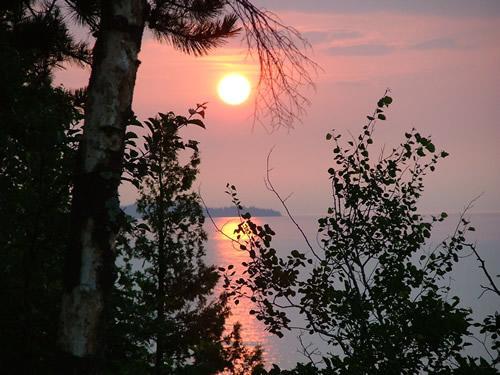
<point x="200" y="10"/>
<point x="193" y="37"/>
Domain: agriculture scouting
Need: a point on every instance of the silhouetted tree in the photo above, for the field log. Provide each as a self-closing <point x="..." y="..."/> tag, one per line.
<point x="194" y="26"/>
<point x="37" y="146"/>
<point x="373" y="290"/>
<point x="165" y="316"/>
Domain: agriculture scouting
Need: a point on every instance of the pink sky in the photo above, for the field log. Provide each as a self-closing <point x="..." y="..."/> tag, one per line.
<point x="441" y="63"/>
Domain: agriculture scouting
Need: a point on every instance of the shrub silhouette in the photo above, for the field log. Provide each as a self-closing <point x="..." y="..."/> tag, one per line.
<point x="373" y="290"/>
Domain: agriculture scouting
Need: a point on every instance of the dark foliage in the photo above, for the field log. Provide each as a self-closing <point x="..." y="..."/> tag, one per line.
<point x="194" y="26"/>
<point x="166" y="317"/>
<point x="37" y="141"/>
<point x="374" y="290"/>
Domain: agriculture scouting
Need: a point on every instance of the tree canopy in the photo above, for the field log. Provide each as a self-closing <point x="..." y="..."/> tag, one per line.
<point x="37" y="150"/>
<point x="374" y="290"/>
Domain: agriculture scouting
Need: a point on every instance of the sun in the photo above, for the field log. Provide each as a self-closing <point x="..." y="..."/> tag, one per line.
<point x="234" y="88"/>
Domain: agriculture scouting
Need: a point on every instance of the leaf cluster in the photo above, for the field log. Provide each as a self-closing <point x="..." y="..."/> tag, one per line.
<point x="166" y="315"/>
<point x="37" y="156"/>
<point x="376" y="290"/>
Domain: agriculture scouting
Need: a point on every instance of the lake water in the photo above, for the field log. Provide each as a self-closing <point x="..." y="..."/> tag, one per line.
<point x="465" y="279"/>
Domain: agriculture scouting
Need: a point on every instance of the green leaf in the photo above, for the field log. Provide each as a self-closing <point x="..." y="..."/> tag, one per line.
<point x="430" y="146"/>
<point x="197" y="122"/>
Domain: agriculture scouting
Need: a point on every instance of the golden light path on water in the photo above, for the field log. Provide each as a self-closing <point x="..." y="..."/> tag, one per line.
<point x="285" y="352"/>
<point x="226" y="253"/>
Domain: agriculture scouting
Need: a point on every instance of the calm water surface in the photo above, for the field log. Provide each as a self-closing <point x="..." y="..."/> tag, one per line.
<point x="465" y="280"/>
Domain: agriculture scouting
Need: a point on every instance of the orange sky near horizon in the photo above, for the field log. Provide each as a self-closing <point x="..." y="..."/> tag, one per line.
<point x="443" y="70"/>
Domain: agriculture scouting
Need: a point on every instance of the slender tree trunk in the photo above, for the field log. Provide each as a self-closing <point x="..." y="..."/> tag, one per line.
<point x="89" y="273"/>
<point x="160" y="318"/>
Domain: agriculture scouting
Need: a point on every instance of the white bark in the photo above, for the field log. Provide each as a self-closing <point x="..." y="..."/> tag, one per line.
<point x="95" y="211"/>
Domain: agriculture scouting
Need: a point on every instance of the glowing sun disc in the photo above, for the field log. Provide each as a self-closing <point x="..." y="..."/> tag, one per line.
<point x="234" y="89"/>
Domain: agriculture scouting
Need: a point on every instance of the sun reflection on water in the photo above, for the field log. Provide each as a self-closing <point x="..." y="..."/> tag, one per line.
<point x="227" y="252"/>
<point x="229" y="229"/>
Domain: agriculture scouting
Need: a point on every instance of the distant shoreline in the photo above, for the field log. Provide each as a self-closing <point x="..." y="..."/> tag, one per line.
<point x="232" y="211"/>
<point x="219" y="211"/>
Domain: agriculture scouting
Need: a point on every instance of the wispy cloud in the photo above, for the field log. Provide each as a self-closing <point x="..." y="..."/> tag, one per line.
<point x="436" y="43"/>
<point x="381" y="49"/>
<point x="316" y="36"/>
<point x="445" y="8"/>
<point x="361" y="50"/>
<point x="345" y="34"/>
<point x="330" y="35"/>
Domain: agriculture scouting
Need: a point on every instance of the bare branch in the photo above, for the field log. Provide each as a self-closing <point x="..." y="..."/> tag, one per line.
<point x="217" y="228"/>
<point x="482" y="264"/>
<point x="271" y="188"/>
<point x="308" y="350"/>
<point x="284" y="67"/>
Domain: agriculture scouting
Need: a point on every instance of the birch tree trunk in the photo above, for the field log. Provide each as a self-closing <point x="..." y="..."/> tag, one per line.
<point x="89" y="273"/>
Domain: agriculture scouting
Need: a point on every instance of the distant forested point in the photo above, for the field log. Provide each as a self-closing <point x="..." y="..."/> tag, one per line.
<point x="233" y="211"/>
<point x="218" y="211"/>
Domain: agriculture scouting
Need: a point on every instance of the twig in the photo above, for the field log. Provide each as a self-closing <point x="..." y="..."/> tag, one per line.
<point x="213" y="221"/>
<point x="284" y="66"/>
<point x="482" y="265"/>
<point x="271" y="188"/>
<point x="307" y="352"/>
